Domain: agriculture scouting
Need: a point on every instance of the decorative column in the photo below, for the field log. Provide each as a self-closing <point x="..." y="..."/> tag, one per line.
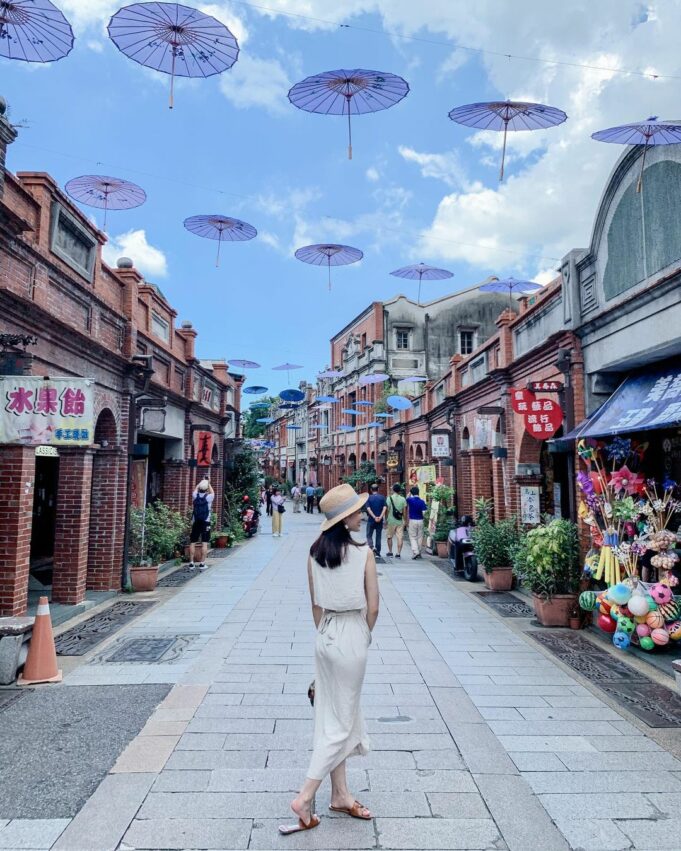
<point x="72" y="526"/>
<point x="17" y="479"/>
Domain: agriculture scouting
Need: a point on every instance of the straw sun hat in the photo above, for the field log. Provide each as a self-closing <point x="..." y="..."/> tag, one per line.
<point x="339" y="503"/>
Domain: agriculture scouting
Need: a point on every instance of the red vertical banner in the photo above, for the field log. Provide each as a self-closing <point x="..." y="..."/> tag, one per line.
<point x="139" y="483"/>
<point x="203" y="448"/>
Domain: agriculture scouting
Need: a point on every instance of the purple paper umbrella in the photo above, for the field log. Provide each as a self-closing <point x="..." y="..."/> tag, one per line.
<point x="422" y="271"/>
<point x="222" y="228"/>
<point x="174" y="39"/>
<point x="375" y="378"/>
<point x="242" y="363"/>
<point x="33" y="31"/>
<point x="106" y="193"/>
<point x="286" y="367"/>
<point x="329" y="255"/>
<point x="507" y="115"/>
<point x="510" y="286"/>
<point x="646" y="133"/>
<point x="345" y="92"/>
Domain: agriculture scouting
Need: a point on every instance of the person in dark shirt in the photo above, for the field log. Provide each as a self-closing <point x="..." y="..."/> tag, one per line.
<point x="376" y="509"/>
<point x="415" y="506"/>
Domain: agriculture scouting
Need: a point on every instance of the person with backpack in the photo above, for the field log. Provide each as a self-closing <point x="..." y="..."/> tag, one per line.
<point x="397" y="520"/>
<point x="202" y="500"/>
<point x="319" y="493"/>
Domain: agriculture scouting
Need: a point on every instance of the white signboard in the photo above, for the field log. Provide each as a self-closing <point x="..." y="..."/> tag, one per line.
<point x="439" y="446"/>
<point x="530" y="512"/>
<point x="38" y="411"/>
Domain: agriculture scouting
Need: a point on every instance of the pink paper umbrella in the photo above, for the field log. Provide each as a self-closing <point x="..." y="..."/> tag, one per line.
<point x="106" y="193"/>
<point x="329" y="255"/>
<point x="222" y="228"/>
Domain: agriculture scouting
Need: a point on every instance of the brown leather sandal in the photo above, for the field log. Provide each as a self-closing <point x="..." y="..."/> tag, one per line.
<point x="287" y="829"/>
<point x="355" y="811"/>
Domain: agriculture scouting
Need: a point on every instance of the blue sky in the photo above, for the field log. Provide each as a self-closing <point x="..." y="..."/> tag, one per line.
<point x="418" y="188"/>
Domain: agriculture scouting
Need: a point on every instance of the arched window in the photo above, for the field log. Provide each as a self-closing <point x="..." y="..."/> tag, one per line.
<point x="465" y="440"/>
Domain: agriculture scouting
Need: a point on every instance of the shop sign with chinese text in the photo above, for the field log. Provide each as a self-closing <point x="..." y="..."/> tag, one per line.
<point x="545" y="386"/>
<point x="439" y="446"/>
<point x="37" y="411"/>
<point x="530" y="510"/>
<point x="543" y="417"/>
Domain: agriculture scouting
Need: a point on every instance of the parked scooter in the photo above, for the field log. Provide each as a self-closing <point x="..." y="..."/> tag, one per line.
<point x="250" y="516"/>
<point x="461" y="553"/>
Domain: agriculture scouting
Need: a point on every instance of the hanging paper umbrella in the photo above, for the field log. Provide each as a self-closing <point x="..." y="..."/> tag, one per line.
<point x="326" y="399"/>
<point x="420" y="272"/>
<point x="385" y="416"/>
<point x="294" y="427"/>
<point x="375" y="425"/>
<point x="286" y="367"/>
<point x="259" y="406"/>
<point x="330" y="373"/>
<point x="106" y="193"/>
<point x="510" y="286"/>
<point x="329" y="255"/>
<point x="222" y="228"/>
<point x="412" y="379"/>
<point x="255" y="389"/>
<point x="265" y="420"/>
<point x="318" y="426"/>
<point x="646" y="133"/>
<point x="346" y="428"/>
<point x="376" y="378"/>
<point x="243" y="364"/>
<point x="33" y="31"/>
<point x="351" y="411"/>
<point x="400" y="403"/>
<point x="174" y="39"/>
<point x="507" y="115"/>
<point x="348" y="93"/>
<point x="288" y="406"/>
<point x="292" y="395"/>
<point x="364" y="404"/>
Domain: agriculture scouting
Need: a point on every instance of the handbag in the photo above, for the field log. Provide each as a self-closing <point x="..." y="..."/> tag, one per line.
<point x="310" y="693"/>
<point x="396" y="514"/>
<point x="281" y="509"/>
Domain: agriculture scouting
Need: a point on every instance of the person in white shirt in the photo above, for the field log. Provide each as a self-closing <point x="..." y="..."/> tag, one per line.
<point x="199" y="538"/>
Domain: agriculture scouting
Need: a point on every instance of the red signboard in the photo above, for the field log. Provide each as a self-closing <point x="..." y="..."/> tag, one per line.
<point x="543" y="417"/>
<point x="521" y="399"/>
<point x="204" y="448"/>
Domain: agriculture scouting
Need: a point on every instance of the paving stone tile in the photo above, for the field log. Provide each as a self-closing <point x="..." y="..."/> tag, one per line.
<point x="588" y="782"/>
<point x="546" y="743"/>
<point x="32" y="833"/>
<point x="145" y="754"/>
<point x="457" y="805"/>
<point x="575" y="713"/>
<point x="512" y="700"/>
<point x="647" y="834"/>
<point x="200" y="760"/>
<point x="407" y="742"/>
<point x="270" y="780"/>
<point x="481" y="750"/>
<point x="593" y="834"/>
<point x="202" y="742"/>
<point x="347" y="834"/>
<point x="300" y="712"/>
<point x="537" y="761"/>
<point x="182" y="781"/>
<point x="552" y="728"/>
<point x="499" y="713"/>
<point x="669" y="802"/>
<point x="421" y="780"/>
<point x="523" y="822"/>
<point x="623" y="743"/>
<point x="429" y="834"/>
<point x="231" y="725"/>
<point x="169" y="834"/>
<point x="447" y="760"/>
<point x="613" y="761"/>
<point x="375" y="759"/>
<point x="561" y="806"/>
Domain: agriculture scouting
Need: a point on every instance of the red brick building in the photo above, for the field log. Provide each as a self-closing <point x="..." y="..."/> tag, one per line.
<point x="63" y="492"/>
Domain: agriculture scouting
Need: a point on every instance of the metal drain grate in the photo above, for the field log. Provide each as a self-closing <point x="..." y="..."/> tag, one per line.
<point x="507" y="605"/>
<point x="179" y="577"/>
<point x="655" y="704"/>
<point x="141" y="650"/>
<point x="81" y="638"/>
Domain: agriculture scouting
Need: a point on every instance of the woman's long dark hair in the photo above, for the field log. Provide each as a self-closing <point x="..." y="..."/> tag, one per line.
<point x="331" y="547"/>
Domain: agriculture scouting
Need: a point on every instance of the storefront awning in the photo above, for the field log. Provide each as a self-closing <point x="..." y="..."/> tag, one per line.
<point x="640" y="403"/>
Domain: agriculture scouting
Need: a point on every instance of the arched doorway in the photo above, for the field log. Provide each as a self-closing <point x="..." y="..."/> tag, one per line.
<point x="107" y="506"/>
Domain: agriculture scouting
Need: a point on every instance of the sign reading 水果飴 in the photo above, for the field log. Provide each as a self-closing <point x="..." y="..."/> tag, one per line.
<point x="46" y="411"/>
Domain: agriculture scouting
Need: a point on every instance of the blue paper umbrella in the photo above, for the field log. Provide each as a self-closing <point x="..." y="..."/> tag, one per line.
<point x="364" y="404"/>
<point x="173" y="39"/>
<point x="294" y="427"/>
<point x="648" y="132"/>
<point x="33" y="31"/>
<point x="384" y="416"/>
<point x="510" y="286"/>
<point x="327" y="399"/>
<point x="507" y="115"/>
<point x="400" y="403"/>
<point x="318" y="426"/>
<point x="288" y="406"/>
<point x="375" y="378"/>
<point x="350" y="411"/>
<point x="265" y="420"/>
<point x="375" y="425"/>
<point x="258" y="405"/>
<point x="346" y="428"/>
<point x="242" y="363"/>
<point x="222" y="228"/>
<point x="422" y="272"/>
<point x="255" y="389"/>
<point x="292" y="395"/>
<point x="329" y="254"/>
<point x="348" y="92"/>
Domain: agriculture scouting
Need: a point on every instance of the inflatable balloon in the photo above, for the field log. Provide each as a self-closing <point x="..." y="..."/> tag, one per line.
<point x="660" y="636"/>
<point x="646" y="643"/>
<point x="621" y="640"/>
<point x="661" y="593"/>
<point x="606" y="623"/>
<point x="587" y="601"/>
<point x="642" y="630"/>
<point x="619" y="594"/>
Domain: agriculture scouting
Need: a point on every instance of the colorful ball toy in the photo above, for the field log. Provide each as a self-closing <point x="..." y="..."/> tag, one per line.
<point x="646" y="643"/>
<point x="660" y="637"/>
<point x="674" y="630"/>
<point x="606" y="623"/>
<point x="642" y="630"/>
<point x="638" y="605"/>
<point x="621" y="640"/>
<point x="588" y="601"/>
<point x="625" y="625"/>
<point x="655" y="620"/>
<point x="661" y="593"/>
<point x="620" y="594"/>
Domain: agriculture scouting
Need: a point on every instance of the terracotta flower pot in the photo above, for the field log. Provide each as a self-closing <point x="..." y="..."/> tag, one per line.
<point x="144" y="577"/>
<point x="556" y="611"/>
<point x="499" y="578"/>
<point x="221" y="542"/>
<point x="442" y="549"/>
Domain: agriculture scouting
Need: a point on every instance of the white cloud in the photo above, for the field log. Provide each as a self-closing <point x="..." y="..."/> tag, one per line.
<point x="373" y="174"/>
<point x="256" y="82"/>
<point x="445" y="167"/>
<point x="270" y="239"/>
<point x="147" y="259"/>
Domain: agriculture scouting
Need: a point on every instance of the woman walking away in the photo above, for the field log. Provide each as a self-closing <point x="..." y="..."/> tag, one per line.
<point x="344" y="593"/>
<point x="278" y="510"/>
<point x="199" y="537"/>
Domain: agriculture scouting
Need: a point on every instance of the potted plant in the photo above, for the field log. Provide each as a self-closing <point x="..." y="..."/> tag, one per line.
<point x="221" y="539"/>
<point x="494" y="544"/>
<point x="547" y="562"/>
<point x="154" y="536"/>
<point x="442" y="529"/>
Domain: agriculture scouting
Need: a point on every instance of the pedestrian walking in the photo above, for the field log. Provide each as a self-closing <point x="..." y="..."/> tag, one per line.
<point x="396" y="520"/>
<point x="376" y="511"/>
<point x="278" y="510"/>
<point x="415" y="506"/>
<point x="319" y="493"/>
<point x="309" y="494"/>
<point x="199" y="537"/>
<point x="268" y="499"/>
<point x="297" y="497"/>
<point x="344" y="595"/>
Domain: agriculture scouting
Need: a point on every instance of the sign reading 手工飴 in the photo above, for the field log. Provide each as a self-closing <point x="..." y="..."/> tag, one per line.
<point x="46" y="411"/>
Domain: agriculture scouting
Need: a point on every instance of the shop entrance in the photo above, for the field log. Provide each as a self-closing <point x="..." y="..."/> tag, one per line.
<point x="44" y="518"/>
<point x="555" y="481"/>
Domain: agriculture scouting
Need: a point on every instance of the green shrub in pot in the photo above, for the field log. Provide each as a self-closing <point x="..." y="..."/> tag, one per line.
<point x="546" y="559"/>
<point x="494" y="543"/>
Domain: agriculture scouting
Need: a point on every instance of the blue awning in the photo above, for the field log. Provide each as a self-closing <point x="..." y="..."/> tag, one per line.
<point x="640" y="403"/>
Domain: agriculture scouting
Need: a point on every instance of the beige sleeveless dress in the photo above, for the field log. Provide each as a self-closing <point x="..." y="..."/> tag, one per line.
<point x="343" y="640"/>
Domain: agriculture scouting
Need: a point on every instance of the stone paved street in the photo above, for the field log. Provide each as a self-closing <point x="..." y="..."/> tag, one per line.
<point x="480" y="741"/>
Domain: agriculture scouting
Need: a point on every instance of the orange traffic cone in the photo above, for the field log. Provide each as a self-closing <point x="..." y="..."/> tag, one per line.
<point x="41" y="663"/>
